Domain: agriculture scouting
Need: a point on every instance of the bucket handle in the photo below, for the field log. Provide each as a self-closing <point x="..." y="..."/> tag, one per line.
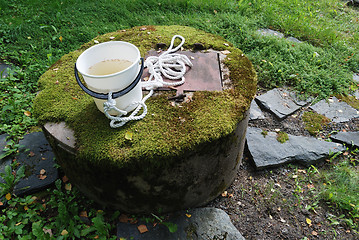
<point x="115" y="94"/>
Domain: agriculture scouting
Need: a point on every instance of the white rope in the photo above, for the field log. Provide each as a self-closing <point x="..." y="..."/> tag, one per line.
<point x="168" y="64"/>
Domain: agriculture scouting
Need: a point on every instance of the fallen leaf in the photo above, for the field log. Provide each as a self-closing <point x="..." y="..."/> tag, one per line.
<point x="17" y="224"/>
<point x="42" y="177"/>
<point x="128" y="135"/>
<point x="345" y="153"/>
<point x="224" y="194"/>
<point x="1" y="204"/>
<point x="31" y="154"/>
<point x="43" y="158"/>
<point x="302" y="171"/>
<point x="42" y="171"/>
<point x="26" y="208"/>
<point x="8" y="196"/>
<point x="142" y="228"/>
<point x="314" y="233"/>
<point x="83" y="214"/>
<point x="60" y="38"/>
<point x="27" y="113"/>
<point x="49" y="231"/>
<point x="188" y="215"/>
<point x="310" y="186"/>
<point x="308" y="221"/>
<point x="64" y="232"/>
<point x="112" y="38"/>
<point x="96" y="237"/>
<point x="96" y="41"/>
<point x="226" y="44"/>
<point x="65" y="179"/>
<point x="294" y="176"/>
<point x="68" y="187"/>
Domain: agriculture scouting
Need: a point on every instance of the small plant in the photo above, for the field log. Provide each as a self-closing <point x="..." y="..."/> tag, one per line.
<point x="314" y="122"/>
<point x="282" y="137"/>
<point x="11" y="177"/>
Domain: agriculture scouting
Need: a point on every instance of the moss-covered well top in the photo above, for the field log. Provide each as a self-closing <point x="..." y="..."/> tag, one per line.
<point x="167" y="130"/>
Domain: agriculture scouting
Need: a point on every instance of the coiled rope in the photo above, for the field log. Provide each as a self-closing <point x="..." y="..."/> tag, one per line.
<point x="168" y="64"/>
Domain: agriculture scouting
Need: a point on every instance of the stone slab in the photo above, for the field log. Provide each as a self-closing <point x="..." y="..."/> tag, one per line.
<point x="255" y="112"/>
<point x="335" y="110"/>
<point x="266" y="151"/>
<point x="195" y="224"/>
<point x="349" y="138"/>
<point x="356" y="77"/>
<point x="35" y="154"/>
<point x="3" y="70"/>
<point x="293" y="39"/>
<point x="280" y="102"/>
<point x="270" y="32"/>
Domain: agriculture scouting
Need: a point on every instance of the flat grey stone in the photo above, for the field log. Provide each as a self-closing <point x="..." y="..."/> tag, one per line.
<point x="270" y="32"/>
<point x="6" y="160"/>
<point x="198" y="224"/>
<point x="335" y="110"/>
<point x="35" y="154"/>
<point x="266" y="151"/>
<point x="3" y="69"/>
<point x="349" y="138"/>
<point x="280" y="102"/>
<point x="356" y="77"/>
<point x="255" y="112"/>
<point x="3" y="142"/>
<point x="293" y="39"/>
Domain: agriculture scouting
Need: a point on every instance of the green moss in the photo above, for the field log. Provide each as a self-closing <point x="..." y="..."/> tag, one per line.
<point x="314" y="122"/>
<point x="264" y="133"/>
<point x="282" y="137"/>
<point x="162" y="134"/>
<point x="351" y="100"/>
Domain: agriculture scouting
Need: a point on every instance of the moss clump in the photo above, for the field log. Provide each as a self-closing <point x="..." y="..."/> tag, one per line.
<point x="351" y="100"/>
<point x="264" y="133"/>
<point x="282" y="137"/>
<point x="167" y="131"/>
<point x="314" y="122"/>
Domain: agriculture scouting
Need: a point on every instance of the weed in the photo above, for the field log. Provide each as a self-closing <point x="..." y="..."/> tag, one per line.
<point x="12" y="175"/>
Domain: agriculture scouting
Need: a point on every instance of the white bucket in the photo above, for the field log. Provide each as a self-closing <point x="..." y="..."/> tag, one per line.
<point x="115" y="82"/>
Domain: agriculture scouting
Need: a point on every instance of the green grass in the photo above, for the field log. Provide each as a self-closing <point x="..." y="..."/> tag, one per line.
<point x="34" y="35"/>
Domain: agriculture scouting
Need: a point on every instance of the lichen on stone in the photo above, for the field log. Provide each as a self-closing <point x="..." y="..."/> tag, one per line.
<point x="167" y="131"/>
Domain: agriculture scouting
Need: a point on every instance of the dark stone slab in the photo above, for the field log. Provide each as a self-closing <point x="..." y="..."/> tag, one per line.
<point x="36" y="154"/>
<point x="3" y="70"/>
<point x="335" y="110"/>
<point x="6" y="160"/>
<point x="3" y="142"/>
<point x="349" y="138"/>
<point x="266" y="151"/>
<point x="255" y="112"/>
<point x="270" y="32"/>
<point x="280" y="102"/>
<point x="198" y="77"/>
<point x="196" y="224"/>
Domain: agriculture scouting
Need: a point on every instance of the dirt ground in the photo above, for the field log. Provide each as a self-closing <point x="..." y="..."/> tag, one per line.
<point x="283" y="202"/>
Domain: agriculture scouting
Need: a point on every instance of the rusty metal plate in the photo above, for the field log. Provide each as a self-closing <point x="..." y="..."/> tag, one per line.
<point x="205" y="75"/>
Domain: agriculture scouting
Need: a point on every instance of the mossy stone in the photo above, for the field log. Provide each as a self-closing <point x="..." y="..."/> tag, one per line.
<point x="166" y="136"/>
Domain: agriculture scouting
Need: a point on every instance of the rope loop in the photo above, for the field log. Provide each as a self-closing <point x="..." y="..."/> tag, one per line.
<point x="168" y="64"/>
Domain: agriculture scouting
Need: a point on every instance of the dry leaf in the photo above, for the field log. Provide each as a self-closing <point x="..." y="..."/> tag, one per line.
<point x="83" y="214"/>
<point x="27" y="113"/>
<point x="224" y="194"/>
<point x="314" y="233"/>
<point x="8" y="196"/>
<point x="128" y="135"/>
<point x="31" y="154"/>
<point x="96" y="237"/>
<point x="42" y="171"/>
<point x="60" y="38"/>
<point x="17" y="224"/>
<point x="1" y="204"/>
<point x="310" y="186"/>
<point x="308" y="221"/>
<point x="65" y="179"/>
<point x="42" y="177"/>
<point x="142" y="228"/>
<point x="64" y="232"/>
<point x="302" y="171"/>
<point x="68" y="187"/>
<point x="188" y="215"/>
<point x="125" y="219"/>
<point x="26" y="208"/>
<point x="49" y="231"/>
